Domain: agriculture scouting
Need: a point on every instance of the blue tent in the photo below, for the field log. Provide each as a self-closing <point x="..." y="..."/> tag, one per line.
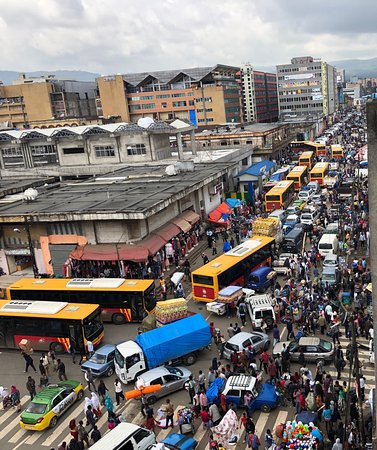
<point x="233" y="202"/>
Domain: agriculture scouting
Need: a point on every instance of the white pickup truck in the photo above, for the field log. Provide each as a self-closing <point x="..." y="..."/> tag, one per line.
<point x="278" y="264"/>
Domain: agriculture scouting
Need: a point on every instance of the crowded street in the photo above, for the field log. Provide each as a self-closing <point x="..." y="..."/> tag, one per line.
<point x="311" y="347"/>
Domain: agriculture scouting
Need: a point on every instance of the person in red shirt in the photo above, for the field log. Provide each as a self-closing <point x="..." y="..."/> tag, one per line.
<point x="204" y="415"/>
<point x="223" y="402"/>
<point x="264" y="358"/>
<point x="272" y="370"/>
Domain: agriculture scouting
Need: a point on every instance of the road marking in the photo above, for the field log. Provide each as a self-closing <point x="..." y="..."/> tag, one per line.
<point x="33" y="438"/>
<point x="261" y="423"/>
<point x="198" y="436"/>
<point x="13" y="424"/>
<point x="283" y="333"/>
<point x="163" y="433"/>
<point x="138" y="419"/>
<point x="7" y="414"/>
<point x="281" y="418"/>
<point x="63" y="426"/>
<point x="19" y="445"/>
<point x="20" y="433"/>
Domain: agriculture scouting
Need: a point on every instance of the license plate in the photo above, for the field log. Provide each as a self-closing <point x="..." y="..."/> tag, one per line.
<point x="29" y="427"/>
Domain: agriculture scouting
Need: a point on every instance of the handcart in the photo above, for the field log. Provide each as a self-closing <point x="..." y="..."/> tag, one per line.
<point x="186" y="421"/>
<point x="216" y="307"/>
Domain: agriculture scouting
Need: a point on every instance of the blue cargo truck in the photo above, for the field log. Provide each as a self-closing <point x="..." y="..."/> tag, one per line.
<point x="178" y="342"/>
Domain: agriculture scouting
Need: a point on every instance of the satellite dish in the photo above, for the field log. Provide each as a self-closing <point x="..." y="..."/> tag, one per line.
<point x="30" y="195"/>
<point x="145" y="122"/>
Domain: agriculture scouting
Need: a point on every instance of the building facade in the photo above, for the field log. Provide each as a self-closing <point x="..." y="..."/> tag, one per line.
<point x="202" y="95"/>
<point x="259" y="95"/>
<point x="306" y="88"/>
<point x="41" y="101"/>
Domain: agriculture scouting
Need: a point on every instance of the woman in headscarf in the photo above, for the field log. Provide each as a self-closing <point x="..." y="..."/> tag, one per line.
<point x="109" y="404"/>
<point x="95" y="404"/>
<point x="73" y="429"/>
<point x="88" y="402"/>
<point x="16" y="398"/>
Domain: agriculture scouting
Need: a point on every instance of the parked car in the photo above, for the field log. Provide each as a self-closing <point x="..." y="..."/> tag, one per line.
<point x="49" y="404"/>
<point x="264" y="394"/>
<point x="241" y="341"/>
<point x="101" y="363"/>
<point x="172" y="379"/>
<point x="315" y="349"/>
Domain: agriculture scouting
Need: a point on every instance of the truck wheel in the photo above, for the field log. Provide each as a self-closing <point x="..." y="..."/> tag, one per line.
<point x="118" y="319"/>
<point x="265" y="408"/>
<point x="152" y="399"/>
<point x="189" y="360"/>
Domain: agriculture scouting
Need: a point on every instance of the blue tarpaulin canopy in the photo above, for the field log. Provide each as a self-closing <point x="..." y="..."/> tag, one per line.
<point x="214" y="389"/>
<point x="234" y="202"/>
<point x="259" y="168"/>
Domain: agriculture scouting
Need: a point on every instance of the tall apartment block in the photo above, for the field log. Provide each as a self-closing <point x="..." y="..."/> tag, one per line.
<point x="44" y="101"/>
<point x="306" y="88"/>
<point x="202" y="95"/>
<point x="259" y="95"/>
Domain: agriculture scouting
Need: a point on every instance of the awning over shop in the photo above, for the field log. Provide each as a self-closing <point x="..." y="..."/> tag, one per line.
<point x="135" y="253"/>
<point x="182" y="224"/>
<point x="105" y="252"/>
<point x="168" y="231"/>
<point x="218" y="217"/>
<point x="234" y="202"/>
<point x="153" y="243"/>
<point x="224" y="208"/>
<point x="190" y="216"/>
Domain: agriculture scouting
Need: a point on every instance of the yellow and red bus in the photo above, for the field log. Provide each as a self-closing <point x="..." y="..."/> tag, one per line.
<point x="121" y="300"/>
<point x="304" y="146"/>
<point x="299" y="175"/>
<point x="319" y="171"/>
<point x="306" y="159"/>
<point x="50" y="325"/>
<point x="280" y="196"/>
<point x="337" y="151"/>
<point x="231" y="268"/>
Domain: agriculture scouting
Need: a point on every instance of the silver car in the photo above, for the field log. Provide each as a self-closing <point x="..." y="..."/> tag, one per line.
<point x="241" y="341"/>
<point x="315" y="349"/>
<point x="170" y="378"/>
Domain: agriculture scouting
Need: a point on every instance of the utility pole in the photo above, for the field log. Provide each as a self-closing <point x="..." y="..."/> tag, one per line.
<point x="31" y="248"/>
<point x="372" y="198"/>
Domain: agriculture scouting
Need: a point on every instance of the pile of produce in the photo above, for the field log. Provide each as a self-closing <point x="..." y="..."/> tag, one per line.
<point x="170" y="310"/>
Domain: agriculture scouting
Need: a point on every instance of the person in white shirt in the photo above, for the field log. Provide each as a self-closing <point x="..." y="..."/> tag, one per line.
<point x="89" y="346"/>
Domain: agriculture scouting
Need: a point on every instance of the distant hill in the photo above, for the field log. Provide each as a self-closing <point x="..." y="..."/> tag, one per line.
<point x="363" y="68"/>
<point x="7" y="76"/>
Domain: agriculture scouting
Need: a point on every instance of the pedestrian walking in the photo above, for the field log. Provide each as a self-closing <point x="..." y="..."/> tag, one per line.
<point x="83" y="434"/>
<point x="190" y="387"/>
<point x="46" y="363"/>
<point x="96" y="404"/>
<point x="169" y="411"/>
<point x="109" y="404"/>
<point x="96" y="434"/>
<point x="242" y="312"/>
<point x="102" y="389"/>
<point x="90" y="380"/>
<point x="90" y="417"/>
<point x="29" y="362"/>
<point x="30" y="386"/>
<point x="63" y="446"/>
<point x="276" y="334"/>
<point x="89" y="346"/>
<point x="118" y="391"/>
<point x="72" y="351"/>
<point x="61" y="370"/>
<point x="73" y="429"/>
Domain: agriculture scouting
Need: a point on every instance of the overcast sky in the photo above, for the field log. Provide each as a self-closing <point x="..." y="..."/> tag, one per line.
<point x="111" y="36"/>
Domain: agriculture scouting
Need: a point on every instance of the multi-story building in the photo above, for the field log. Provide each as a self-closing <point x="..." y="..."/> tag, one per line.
<point x="203" y="95"/>
<point x="41" y="101"/>
<point x="259" y="95"/>
<point x="306" y="88"/>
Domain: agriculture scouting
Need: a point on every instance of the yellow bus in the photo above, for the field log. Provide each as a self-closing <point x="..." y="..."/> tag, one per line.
<point x="231" y="268"/>
<point x="280" y="196"/>
<point x="49" y="325"/>
<point x="306" y="159"/>
<point x="337" y="151"/>
<point x="120" y="300"/>
<point x="299" y="175"/>
<point x="319" y="171"/>
<point x="304" y="146"/>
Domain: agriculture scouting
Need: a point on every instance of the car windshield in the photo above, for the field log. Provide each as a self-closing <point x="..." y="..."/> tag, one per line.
<point x="174" y="370"/>
<point x="326" y="345"/>
<point x="329" y="262"/>
<point x="325" y="246"/>
<point x="306" y="217"/>
<point x="36" y="408"/>
<point x="254" y="279"/>
<point x="119" y="358"/>
<point x="93" y="325"/>
<point x="98" y="358"/>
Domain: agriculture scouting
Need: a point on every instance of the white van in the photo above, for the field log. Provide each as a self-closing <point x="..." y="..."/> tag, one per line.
<point x="260" y="308"/>
<point x="126" y="436"/>
<point x="328" y="244"/>
<point x="309" y="216"/>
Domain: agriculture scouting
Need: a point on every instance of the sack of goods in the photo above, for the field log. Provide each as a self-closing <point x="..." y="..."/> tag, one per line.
<point x="265" y="227"/>
<point x="170" y="310"/>
<point x="230" y="294"/>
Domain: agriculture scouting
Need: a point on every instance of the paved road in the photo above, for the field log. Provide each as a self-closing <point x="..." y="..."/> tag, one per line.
<point x="11" y="371"/>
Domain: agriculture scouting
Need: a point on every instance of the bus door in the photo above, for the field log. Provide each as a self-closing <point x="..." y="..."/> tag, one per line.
<point x="76" y="337"/>
<point x="7" y="331"/>
<point x="137" y="307"/>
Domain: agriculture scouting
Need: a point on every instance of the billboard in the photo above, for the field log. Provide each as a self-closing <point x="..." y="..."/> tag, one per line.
<point x="299" y="76"/>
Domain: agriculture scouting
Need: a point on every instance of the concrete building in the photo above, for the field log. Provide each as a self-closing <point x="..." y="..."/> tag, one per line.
<point x="44" y="101"/>
<point x="306" y="88"/>
<point x="352" y="91"/>
<point x="267" y="140"/>
<point x="259" y="95"/>
<point x="202" y="95"/>
<point x="129" y="205"/>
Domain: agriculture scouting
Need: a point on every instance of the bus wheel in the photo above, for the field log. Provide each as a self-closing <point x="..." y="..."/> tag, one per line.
<point x="118" y="319"/>
<point x="57" y="348"/>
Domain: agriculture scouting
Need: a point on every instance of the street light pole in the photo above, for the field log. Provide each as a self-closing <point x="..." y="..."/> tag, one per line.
<point x="31" y="248"/>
